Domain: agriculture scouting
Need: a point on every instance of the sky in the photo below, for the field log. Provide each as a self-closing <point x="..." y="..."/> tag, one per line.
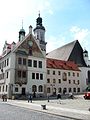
<point x="64" y="21"/>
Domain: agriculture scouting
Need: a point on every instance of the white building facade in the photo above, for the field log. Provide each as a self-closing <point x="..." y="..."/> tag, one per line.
<point x="61" y="80"/>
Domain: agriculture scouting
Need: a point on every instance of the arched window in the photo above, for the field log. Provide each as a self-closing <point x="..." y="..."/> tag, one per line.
<point x="64" y="90"/>
<point x="34" y="88"/>
<point x="40" y="89"/>
<point x="64" y="76"/>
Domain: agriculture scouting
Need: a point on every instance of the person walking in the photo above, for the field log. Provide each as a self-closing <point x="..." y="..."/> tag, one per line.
<point x="29" y="98"/>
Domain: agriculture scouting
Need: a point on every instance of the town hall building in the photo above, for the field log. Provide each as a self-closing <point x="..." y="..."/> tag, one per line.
<point x="25" y="68"/>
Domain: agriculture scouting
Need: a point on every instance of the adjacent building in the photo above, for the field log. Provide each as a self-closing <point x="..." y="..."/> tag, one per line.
<point x="63" y="77"/>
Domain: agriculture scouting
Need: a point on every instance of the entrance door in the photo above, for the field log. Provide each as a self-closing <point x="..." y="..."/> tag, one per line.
<point x="23" y="91"/>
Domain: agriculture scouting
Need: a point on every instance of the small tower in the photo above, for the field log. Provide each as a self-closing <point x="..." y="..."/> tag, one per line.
<point x="39" y="33"/>
<point x="85" y="55"/>
<point x="21" y="33"/>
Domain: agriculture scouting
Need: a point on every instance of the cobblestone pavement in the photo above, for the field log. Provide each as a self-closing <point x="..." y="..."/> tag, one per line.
<point x="10" y="112"/>
<point x="74" y="108"/>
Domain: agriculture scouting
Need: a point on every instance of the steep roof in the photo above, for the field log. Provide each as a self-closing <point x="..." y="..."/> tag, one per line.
<point x="62" y="53"/>
<point x="59" y="64"/>
<point x="69" y="52"/>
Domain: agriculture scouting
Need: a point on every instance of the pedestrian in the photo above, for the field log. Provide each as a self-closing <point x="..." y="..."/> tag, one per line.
<point x="28" y="98"/>
<point x="59" y="97"/>
<point x="6" y="98"/>
<point x="71" y="95"/>
<point x="31" y="98"/>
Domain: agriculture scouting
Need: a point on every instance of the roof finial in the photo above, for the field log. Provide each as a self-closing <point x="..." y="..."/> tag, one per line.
<point x="22" y="23"/>
<point x="39" y="13"/>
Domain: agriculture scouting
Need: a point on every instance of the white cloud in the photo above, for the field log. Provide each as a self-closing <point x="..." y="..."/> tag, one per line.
<point x="55" y="42"/>
<point x="13" y="11"/>
<point x="79" y="33"/>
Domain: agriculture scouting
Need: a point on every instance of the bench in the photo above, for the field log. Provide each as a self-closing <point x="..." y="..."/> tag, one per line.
<point x="44" y="107"/>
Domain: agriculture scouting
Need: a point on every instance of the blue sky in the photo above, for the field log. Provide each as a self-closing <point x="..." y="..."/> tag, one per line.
<point x="64" y="20"/>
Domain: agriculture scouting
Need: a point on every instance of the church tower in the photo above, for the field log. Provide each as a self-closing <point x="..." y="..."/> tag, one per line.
<point x="39" y="33"/>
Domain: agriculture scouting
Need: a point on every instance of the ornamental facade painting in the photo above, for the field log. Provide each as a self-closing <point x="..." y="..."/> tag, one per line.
<point x="64" y="76"/>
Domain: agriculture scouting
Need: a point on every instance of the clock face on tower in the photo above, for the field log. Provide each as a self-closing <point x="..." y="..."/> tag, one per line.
<point x="30" y="43"/>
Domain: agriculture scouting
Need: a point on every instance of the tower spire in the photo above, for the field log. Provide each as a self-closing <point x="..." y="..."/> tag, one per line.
<point x="39" y="14"/>
<point x="22" y="23"/>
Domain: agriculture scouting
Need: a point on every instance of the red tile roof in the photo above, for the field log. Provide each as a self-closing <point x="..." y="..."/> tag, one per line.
<point x="59" y="64"/>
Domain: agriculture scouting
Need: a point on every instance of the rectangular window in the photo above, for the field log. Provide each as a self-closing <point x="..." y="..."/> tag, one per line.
<point x="41" y="76"/>
<point x="73" y="74"/>
<point x="77" y="74"/>
<point x="59" y="72"/>
<point x="69" y="81"/>
<point x="0" y="88"/>
<point x="20" y="60"/>
<point x="48" y="71"/>
<point x="19" y="74"/>
<point x="6" y="88"/>
<point x="74" y="89"/>
<point x="34" y="63"/>
<point x="5" y="64"/>
<point x="33" y="75"/>
<point x="53" y="72"/>
<point x="59" y="80"/>
<point x="37" y="76"/>
<point x="16" y="89"/>
<point x="30" y="63"/>
<point x="40" y="64"/>
<point x="78" y="82"/>
<point x="7" y="75"/>
<point x="7" y="61"/>
<point x="24" y="74"/>
<point x="24" y="61"/>
<point x="68" y="73"/>
<point x="78" y="90"/>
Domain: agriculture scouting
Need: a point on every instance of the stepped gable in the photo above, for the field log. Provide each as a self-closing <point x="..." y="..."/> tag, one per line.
<point x="60" y="64"/>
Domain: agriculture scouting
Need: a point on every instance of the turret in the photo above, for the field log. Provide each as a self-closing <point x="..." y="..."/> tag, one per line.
<point x="21" y="33"/>
<point x="85" y="55"/>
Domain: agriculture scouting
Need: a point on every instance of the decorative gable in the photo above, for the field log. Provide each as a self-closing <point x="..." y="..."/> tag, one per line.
<point x="29" y="47"/>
